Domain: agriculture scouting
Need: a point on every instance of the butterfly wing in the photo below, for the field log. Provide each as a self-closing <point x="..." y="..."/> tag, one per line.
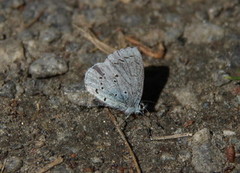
<point x="118" y="81"/>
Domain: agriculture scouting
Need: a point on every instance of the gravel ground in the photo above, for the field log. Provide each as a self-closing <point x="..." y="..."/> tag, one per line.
<point x="46" y="115"/>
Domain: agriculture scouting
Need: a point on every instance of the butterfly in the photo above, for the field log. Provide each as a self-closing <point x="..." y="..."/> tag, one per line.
<point x="118" y="81"/>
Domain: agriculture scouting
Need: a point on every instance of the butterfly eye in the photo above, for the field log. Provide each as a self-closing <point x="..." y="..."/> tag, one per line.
<point x="115" y="95"/>
<point x="114" y="80"/>
<point x="142" y="106"/>
<point x="116" y="75"/>
<point x="104" y="99"/>
<point x="100" y="77"/>
<point x="125" y="92"/>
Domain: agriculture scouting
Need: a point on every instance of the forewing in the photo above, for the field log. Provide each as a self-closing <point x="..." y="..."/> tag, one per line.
<point x="128" y="62"/>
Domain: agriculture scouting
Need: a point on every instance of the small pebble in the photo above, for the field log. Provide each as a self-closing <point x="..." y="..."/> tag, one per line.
<point x="49" y="35"/>
<point x="184" y="155"/>
<point x="97" y="160"/>
<point x="72" y="47"/>
<point x="187" y="97"/>
<point x="203" y="33"/>
<point x="48" y="66"/>
<point x="59" y="19"/>
<point x="95" y="16"/>
<point x="19" y="90"/>
<point x="130" y="20"/>
<point x="77" y="94"/>
<point x="172" y="34"/>
<point x="33" y="87"/>
<point x="8" y="90"/>
<point x="40" y="142"/>
<point x="172" y="18"/>
<point x="228" y="133"/>
<point x="13" y="164"/>
<point x="167" y="157"/>
<point x="206" y="105"/>
<point x="220" y="78"/>
<point x="206" y="157"/>
<point x="10" y="52"/>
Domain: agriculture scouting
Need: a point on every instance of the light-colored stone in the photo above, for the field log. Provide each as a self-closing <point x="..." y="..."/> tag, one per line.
<point x="186" y="97"/>
<point x="11" y="51"/>
<point x="206" y="158"/>
<point x="203" y="33"/>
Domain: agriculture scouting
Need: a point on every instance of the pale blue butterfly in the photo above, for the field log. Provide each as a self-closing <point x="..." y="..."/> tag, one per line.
<point x="118" y="81"/>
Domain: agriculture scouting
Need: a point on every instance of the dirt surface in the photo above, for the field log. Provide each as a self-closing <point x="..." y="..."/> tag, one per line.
<point x="45" y="116"/>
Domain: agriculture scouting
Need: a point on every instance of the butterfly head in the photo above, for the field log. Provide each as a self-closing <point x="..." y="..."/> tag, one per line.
<point x="141" y="108"/>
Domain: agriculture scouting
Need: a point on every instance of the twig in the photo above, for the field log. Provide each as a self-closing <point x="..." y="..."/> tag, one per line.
<point x="3" y="166"/>
<point x="188" y="123"/>
<point x="112" y="117"/>
<point x="49" y="166"/>
<point x="149" y="52"/>
<point x="34" y="20"/>
<point x="92" y="38"/>
<point x="156" y="138"/>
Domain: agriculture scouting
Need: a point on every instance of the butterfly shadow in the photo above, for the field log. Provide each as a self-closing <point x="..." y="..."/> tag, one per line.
<point x="155" y="80"/>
